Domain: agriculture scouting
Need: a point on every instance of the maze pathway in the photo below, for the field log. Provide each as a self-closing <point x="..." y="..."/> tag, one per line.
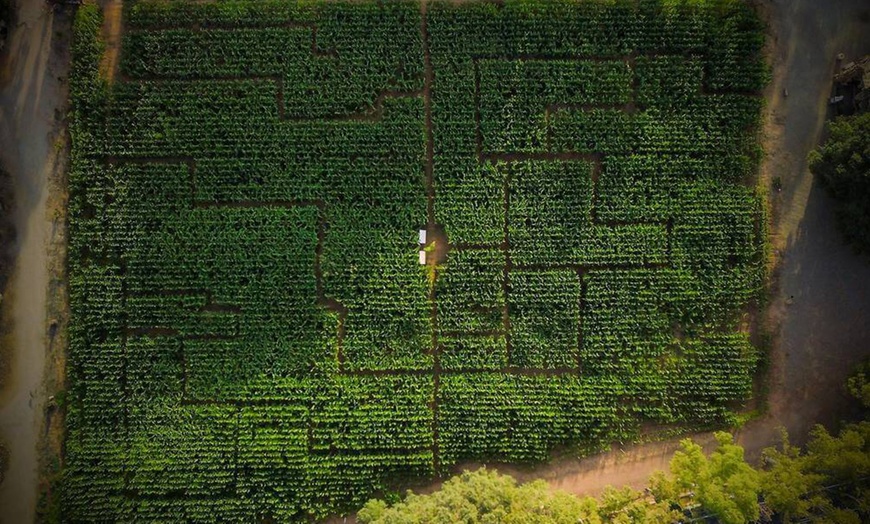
<point x="253" y="336"/>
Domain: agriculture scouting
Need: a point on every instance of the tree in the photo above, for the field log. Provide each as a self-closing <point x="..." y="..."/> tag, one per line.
<point x="843" y="164"/>
<point x="486" y="497"/>
<point x="790" y="489"/>
<point x="723" y="485"/>
<point x="825" y="484"/>
<point x="858" y="384"/>
<point x="844" y="459"/>
<point x="627" y="506"/>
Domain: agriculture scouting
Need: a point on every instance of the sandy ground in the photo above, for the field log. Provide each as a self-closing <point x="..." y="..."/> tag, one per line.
<point x="31" y="99"/>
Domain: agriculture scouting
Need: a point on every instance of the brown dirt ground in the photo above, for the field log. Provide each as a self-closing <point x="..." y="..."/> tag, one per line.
<point x="32" y="104"/>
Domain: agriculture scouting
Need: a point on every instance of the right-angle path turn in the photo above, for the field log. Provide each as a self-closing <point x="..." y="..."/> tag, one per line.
<point x="821" y="295"/>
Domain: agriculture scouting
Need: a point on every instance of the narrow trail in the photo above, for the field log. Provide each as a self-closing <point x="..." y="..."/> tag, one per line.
<point x="429" y="168"/>
<point x="30" y="100"/>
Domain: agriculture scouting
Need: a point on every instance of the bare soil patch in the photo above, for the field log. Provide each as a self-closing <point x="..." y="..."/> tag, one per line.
<point x="437" y="244"/>
<point x="112" y="22"/>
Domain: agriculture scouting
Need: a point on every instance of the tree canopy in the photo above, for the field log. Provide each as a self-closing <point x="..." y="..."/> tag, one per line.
<point x="858" y="384"/>
<point x="825" y="484"/>
<point x="485" y="496"/>
<point x="723" y="483"/>
<point x="843" y="164"/>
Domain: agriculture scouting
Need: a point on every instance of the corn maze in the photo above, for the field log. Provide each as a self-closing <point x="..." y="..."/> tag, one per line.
<point x="252" y="335"/>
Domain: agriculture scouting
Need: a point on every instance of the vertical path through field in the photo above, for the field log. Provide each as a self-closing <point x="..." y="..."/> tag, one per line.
<point x="112" y="12"/>
<point x="508" y="266"/>
<point x="428" y="77"/>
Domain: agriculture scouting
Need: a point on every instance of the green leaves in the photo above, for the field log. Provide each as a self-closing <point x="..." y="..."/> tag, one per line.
<point x="843" y="164"/>
<point x="252" y="336"/>
<point x="723" y="484"/>
<point x="487" y="497"/>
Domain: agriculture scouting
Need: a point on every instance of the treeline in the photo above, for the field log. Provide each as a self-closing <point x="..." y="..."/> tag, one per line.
<point x="827" y="482"/>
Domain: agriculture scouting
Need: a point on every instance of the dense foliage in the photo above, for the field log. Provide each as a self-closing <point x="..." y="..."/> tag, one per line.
<point x="843" y="164"/>
<point x="828" y="483"/>
<point x="723" y="484"/>
<point x="858" y="384"/>
<point x="251" y="332"/>
<point x="485" y="496"/>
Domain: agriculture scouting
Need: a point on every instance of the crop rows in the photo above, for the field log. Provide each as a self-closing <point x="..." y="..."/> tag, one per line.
<point x="252" y="334"/>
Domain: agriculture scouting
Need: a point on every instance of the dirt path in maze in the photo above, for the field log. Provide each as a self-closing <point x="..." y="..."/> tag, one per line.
<point x="32" y="106"/>
<point x="820" y="333"/>
<point x="112" y="11"/>
<point x="821" y="294"/>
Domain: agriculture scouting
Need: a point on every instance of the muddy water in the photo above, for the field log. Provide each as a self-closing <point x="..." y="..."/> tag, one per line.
<point x="28" y="100"/>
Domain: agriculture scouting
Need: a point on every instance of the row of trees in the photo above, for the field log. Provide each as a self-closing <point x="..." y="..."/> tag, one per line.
<point x="824" y="484"/>
<point x="827" y="482"/>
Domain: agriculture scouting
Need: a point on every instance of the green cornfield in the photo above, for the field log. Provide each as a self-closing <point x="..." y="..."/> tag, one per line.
<point x="252" y="335"/>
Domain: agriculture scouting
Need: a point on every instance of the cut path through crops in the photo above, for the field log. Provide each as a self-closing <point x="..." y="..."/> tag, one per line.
<point x="822" y="334"/>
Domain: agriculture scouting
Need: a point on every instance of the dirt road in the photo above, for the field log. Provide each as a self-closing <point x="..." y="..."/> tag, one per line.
<point x="824" y="289"/>
<point x="30" y="100"/>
